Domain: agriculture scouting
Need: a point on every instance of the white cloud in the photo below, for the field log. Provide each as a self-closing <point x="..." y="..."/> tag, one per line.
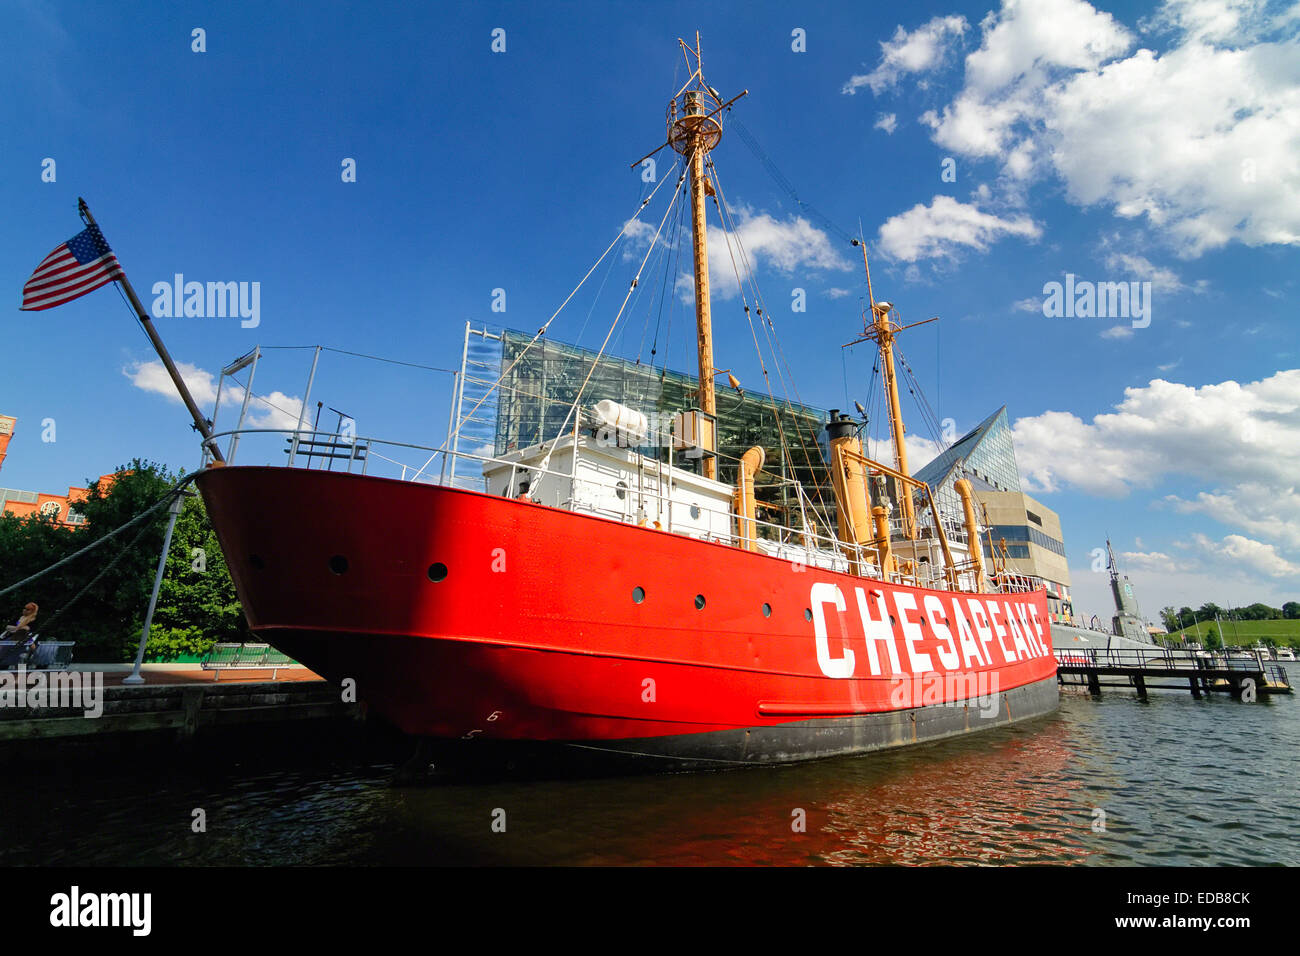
<point x="1028" y="305"/>
<point x="945" y="227"/>
<point x="920" y="450"/>
<point x="1264" y="510"/>
<point x="888" y="122"/>
<point x="1249" y="554"/>
<point x="1146" y="561"/>
<point x="275" y="410"/>
<point x="1242" y="440"/>
<point x="1199" y="140"/>
<point x="784" y="245"/>
<point x="1219" y="21"/>
<point x="915" y="52"/>
<point x="638" y="230"/>
<point x="1024" y="49"/>
<point x="837" y="293"/>
<point x="153" y="377"/>
<point x="1138" y="268"/>
<point x="1228" y="432"/>
<point x="1117" y="332"/>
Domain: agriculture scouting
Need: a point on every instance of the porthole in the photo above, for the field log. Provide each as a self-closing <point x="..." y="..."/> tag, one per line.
<point x="620" y="490"/>
<point x="638" y="595"/>
<point x="437" y="572"/>
<point x="807" y="614"/>
<point x="338" y="564"/>
<point x="255" y="560"/>
<point x="699" y="602"/>
<point x="767" y="610"/>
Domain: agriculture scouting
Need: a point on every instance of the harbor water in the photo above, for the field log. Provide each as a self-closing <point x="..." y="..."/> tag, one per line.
<point x="1110" y="781"/>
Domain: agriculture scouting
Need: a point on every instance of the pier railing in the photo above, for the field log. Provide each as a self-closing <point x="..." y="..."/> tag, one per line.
<point x="1199" y="670"/>
<point x="1164" y="657"/>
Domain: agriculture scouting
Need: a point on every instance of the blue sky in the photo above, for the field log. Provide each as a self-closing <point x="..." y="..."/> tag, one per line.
<point x="1116" y="142"/>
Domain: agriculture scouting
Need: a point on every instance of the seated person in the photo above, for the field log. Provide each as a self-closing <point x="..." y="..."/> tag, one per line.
<point x="21" y="630"/>
<point x="21" y="633"/>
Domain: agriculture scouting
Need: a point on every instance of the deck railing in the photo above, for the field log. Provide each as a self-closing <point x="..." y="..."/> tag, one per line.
<point x="805" y="544"/>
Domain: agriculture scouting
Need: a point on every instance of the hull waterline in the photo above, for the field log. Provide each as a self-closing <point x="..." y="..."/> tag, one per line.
<point x="462" y="616"/>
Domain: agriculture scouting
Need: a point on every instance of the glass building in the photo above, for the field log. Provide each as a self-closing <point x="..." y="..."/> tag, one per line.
<point x="986" y="457"/>
<point x="541" y="382"/>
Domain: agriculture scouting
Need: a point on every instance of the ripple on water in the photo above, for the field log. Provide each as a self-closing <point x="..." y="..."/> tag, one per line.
<point x="1104" y="782"/>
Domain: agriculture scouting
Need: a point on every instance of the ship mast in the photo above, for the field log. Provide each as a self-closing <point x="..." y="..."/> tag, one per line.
<point x="693" y="131"/>
<point x="882" y="329"/>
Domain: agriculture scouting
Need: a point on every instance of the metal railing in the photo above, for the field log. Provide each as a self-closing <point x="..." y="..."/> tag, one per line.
<point x="805" y="544"/>
<point x="1159" y="657"/>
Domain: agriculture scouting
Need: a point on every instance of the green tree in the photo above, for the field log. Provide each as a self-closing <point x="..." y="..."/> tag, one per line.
<point x="28" y="545"/>
<point x="1260" y="612"/>
<point x="1212" y="642"/>
<point x="196" y="604"/>
<point x="1170" y="618"/>
<point x="1291" y="610"/>
<point x="106" y="620"/>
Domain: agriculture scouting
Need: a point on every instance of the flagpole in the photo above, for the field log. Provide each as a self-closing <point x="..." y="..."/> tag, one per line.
<point x="200" y="423"/>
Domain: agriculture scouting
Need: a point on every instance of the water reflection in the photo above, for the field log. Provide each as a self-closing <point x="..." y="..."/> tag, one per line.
<point x="1115" y="781"/>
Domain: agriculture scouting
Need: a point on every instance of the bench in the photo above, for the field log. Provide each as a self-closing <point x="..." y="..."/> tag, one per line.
<point x="45" y="655"/>
<point x="245" y="657"/>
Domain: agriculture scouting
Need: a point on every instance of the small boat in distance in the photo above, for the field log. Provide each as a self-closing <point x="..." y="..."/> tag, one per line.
<point x="622" y="592"/>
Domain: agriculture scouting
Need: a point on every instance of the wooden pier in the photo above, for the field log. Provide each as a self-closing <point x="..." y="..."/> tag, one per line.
<point x="1244" y="677"/>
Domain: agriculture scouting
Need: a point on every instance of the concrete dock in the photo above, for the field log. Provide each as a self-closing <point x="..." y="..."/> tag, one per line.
<point x="86" y="702"/>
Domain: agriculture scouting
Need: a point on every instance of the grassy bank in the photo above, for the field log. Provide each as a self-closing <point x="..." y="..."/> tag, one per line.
<point x="1247" y="632"/>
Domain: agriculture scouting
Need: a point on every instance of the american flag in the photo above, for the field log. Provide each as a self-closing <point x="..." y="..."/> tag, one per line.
<point x="80" y="265"/>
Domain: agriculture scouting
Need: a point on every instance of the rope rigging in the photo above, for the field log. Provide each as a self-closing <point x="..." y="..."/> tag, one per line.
<point x="166" y="499"/>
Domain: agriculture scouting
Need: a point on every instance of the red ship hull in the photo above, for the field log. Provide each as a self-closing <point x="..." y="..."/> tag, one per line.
<point x="464" y="616"/>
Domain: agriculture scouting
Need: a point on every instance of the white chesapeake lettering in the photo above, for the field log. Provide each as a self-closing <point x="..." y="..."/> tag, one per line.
<point x="826" y="593"/>
<point x="920" y="661"/>
<point x="1035" y="645"/>
<point x="877" y="630"/>
<point x="1018" y="639"/>
<point x="981" y="619"/>
<point x="1009" y="653"/>
<point x="970" y="650"/>
<point x="947" y="655"/>
<point x="1033" y="613"/>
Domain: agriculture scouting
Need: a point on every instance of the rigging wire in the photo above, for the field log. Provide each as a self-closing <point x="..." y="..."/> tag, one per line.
<point x="546" y="461"/>
<point x="730" y="232"/>
<point x="165" y="499"/>
<point x="546" y="325"/>
<point x="778" y="177"/>
<point x="663" y="288"/>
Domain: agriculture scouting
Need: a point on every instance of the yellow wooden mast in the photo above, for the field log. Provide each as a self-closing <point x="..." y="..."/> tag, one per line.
<point x="882" y="329"/>
<point x="693" y="130"/>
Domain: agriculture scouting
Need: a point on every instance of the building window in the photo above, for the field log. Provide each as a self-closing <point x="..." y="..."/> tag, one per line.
<point x="1034" y="518"/>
